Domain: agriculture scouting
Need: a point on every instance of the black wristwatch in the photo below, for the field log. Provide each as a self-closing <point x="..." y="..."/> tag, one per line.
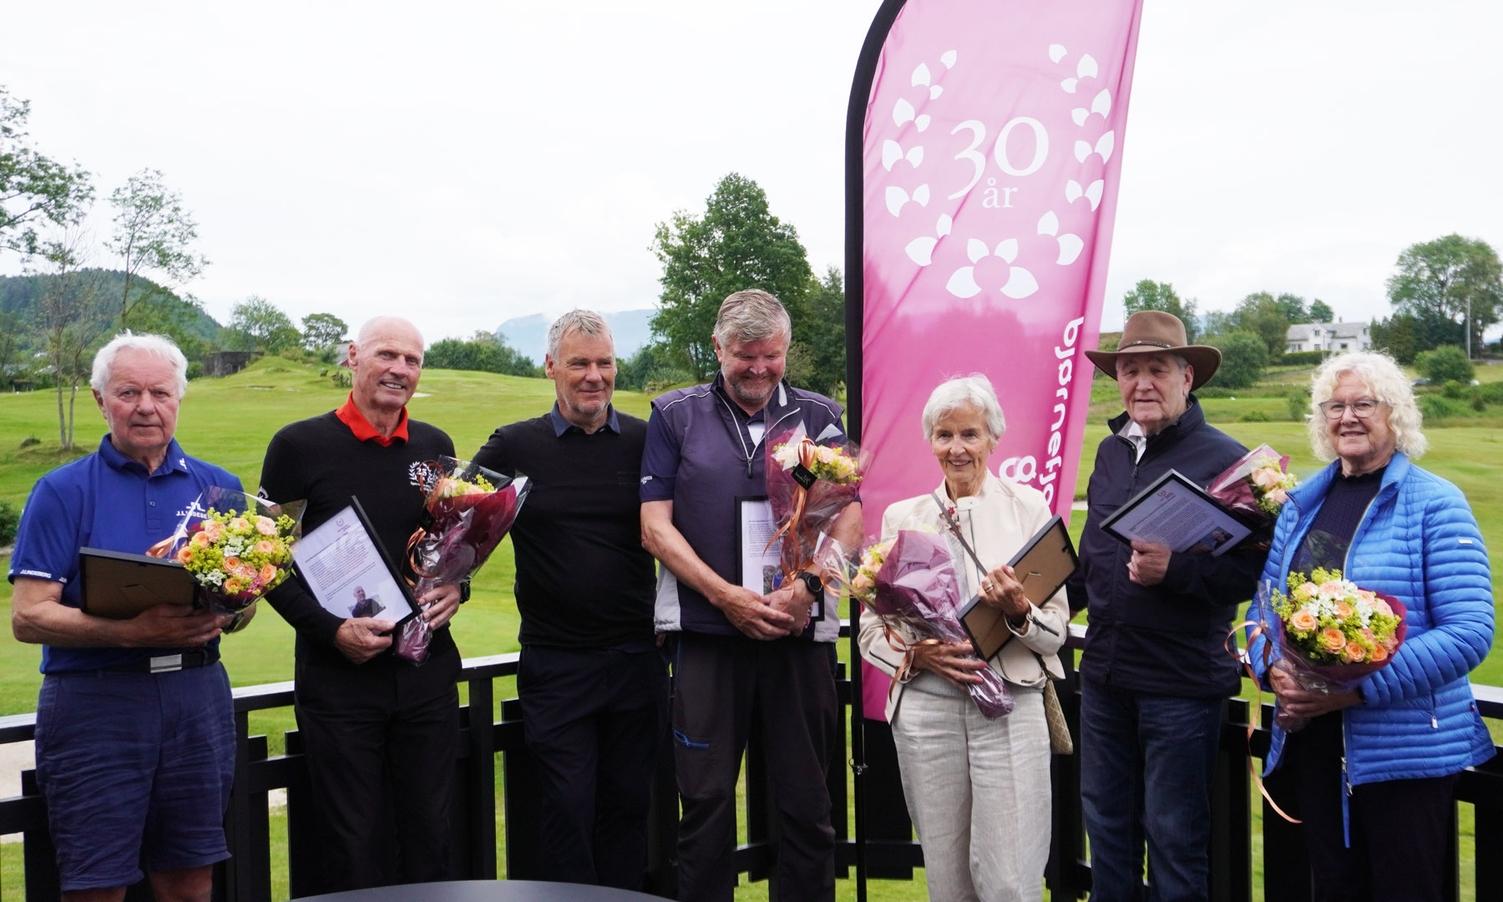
<point x="812" y="583"/>
<point x="464" y="591"/>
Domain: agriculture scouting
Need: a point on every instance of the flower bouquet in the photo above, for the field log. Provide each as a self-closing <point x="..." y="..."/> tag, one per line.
<point x="909" y="582"/>
<point x="1332" y="633"/>
<point x="469" y="510"/>
<point x="808" y="485"/>
<point x="1256" y="486"/>
<point x="237" y="546"/>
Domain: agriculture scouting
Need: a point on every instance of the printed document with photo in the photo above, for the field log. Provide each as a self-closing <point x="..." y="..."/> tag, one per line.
<point x="1176" y="512"/>
<point x="347" y="571"/>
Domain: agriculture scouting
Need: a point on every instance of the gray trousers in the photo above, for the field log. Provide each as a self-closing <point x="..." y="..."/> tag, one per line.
<point x="977" y="790"/>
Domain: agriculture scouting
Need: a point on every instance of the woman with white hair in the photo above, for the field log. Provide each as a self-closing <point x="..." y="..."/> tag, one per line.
<point x="1374" y="768"/>
<point x="977" y="789"/>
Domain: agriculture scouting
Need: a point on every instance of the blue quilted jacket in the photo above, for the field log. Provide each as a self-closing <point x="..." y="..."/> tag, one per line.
<point x="1418" y="542"/>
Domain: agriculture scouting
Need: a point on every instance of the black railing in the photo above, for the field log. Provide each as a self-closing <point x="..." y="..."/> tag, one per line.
<point x="491" y="746"/>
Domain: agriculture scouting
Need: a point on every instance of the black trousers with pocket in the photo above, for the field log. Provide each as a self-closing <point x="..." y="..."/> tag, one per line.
<point x="591" y="719"/>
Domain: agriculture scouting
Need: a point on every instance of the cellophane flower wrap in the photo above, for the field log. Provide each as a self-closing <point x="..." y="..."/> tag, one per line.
<point x="469" y="510"/>
<point x="1332" y="633"/>
<point x="808" y="485"/>
<point x="1256" y="486"/>
<point x="237" y="546"/>
<point x="910" y="583"/>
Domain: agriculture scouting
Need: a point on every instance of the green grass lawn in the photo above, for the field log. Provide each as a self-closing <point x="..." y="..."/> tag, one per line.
<point x="229" y="422"/>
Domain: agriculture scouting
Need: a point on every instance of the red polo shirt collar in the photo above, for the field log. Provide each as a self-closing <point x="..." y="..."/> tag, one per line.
<point x="351" y="416"/>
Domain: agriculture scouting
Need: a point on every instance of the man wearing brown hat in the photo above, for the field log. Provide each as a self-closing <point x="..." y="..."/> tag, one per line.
<point x="1154" y="674"/>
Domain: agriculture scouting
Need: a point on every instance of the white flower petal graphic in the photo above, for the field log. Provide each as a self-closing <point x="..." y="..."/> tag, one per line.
<point x="921" y="122"/>
<point x="1082" y="150"/>
<point x="948" y="58"/>
<point x="891" y="153"/>
<point x="943" y="225"/>
<point x="896" y="198"/>
<point x="1105" y="144"/>
<point x="902" y="112"/>
<point x="1093" y="193"/>
<point x="915" y="156"/>
<point x="935" y="91"/>
<point x="962" y="283"/>
<point x="1072" y="187"/>
<point x="921" y="250"/>
<point x="1007" y="249"/>
<point x="1049" y="224"/>
<point x="1069" y="85"/>
<point x="976" y="249"/>
<point x="1069" y="249"/>
<point x="920" y="75"/>
<point x="1020" y="283"/>
<point x="1078" y="115"/>
<point x="1056" y="52"/>
<point x="1086" y="68"/>
<point x="921" y="195"/>
<point x="1103" y="103"/>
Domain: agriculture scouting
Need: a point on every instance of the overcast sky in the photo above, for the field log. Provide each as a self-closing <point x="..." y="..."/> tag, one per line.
<point x="467" y="163"/>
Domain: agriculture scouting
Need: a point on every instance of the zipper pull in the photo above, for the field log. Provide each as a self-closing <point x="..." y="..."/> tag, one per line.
<point x="1434" y="724"/>
<point x="748" y="467"/>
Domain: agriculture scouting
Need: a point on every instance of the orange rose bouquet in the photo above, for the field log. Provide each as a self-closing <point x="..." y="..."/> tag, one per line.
<point x="237" y="546"/>
<point x="1332" y="633"/>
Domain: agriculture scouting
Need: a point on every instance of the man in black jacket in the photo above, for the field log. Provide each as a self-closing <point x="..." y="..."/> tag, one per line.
<point x="593" y="687"/>
<point x="1154" y="674"/>
<point x="381" y="736"/>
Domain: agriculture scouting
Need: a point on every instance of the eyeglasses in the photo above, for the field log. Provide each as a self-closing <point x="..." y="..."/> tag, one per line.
<point x="1335" y="410"/>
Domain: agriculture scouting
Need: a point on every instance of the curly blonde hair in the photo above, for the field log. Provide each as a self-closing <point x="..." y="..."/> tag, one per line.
<point x="1386" y="382"/>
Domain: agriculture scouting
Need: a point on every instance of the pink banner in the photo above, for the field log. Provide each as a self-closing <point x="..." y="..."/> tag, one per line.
<point x="993" y="144"/>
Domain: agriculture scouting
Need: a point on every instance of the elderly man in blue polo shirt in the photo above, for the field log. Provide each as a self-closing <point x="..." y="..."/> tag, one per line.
<point x="135" y="733"/>
<point x="740" y="656"/>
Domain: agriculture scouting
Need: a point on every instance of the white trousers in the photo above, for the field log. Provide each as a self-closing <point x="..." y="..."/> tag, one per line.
<point x="977" y="791"/>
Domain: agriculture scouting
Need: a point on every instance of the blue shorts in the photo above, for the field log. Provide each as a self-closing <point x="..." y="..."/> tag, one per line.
<point x="135" y="767"/>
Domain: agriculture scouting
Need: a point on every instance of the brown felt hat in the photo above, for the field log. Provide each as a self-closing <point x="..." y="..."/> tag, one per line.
<point x="1157" y="332"/>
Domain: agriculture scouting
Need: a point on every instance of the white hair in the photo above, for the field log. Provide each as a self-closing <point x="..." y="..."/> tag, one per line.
<point x="752" y="315"/>
<point x="975" y="391"/>
<point x="1386" y="382"/>
<point x="585" y="322"/>
<point x="159" y="346"/>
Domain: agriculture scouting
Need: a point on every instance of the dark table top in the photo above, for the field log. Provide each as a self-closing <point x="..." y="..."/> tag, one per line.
<point x="485" y="891"/>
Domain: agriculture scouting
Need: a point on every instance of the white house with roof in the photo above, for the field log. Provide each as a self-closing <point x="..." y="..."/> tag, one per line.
<point x="1328" y="337"/>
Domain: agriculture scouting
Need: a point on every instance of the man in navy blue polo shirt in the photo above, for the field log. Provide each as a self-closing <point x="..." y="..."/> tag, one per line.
<point x="134" y="731"/>
<point x="739" y="656"/>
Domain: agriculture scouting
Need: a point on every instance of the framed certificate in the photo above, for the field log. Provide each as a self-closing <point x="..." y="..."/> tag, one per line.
<point x="349" y="572"/>
<point x="1176" y="512"/>
<point x="119" y="585"/>
<point x="758" y="564"/>
<point x="1042" y="565"/>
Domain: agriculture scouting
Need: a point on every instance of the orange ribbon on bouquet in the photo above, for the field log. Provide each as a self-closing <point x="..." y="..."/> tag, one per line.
<point x="1255" y="632"/>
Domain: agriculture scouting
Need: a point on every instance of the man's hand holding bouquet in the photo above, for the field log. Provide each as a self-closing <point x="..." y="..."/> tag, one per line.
<point x="808" y="486"/>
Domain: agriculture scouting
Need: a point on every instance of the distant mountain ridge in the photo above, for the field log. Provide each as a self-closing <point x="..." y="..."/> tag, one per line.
<point x="632" y="330"/>
<point x="19" y="295"/>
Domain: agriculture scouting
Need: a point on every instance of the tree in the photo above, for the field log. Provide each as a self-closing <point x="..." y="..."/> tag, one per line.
<point x="263" y="325"/>
<point x="653" y="366"/>
<point x="70" y="312"/>
<point x="1405" y="335"/>
<point x="322" y="331"/>
<point x="1267" y="317"/>
<point x="1453" y="278"/>
<point x="1321" y="312"/>
<point x="1243" y="357"/>
<point x="823" y="335"/>
<point x="484" y="351"/>
<point x="1151" y="295"/>
<point x="736" y="244"/>
<point x="35" y="190"/>
<point x="153" y="233"/>
<point x="1446" y="363"/>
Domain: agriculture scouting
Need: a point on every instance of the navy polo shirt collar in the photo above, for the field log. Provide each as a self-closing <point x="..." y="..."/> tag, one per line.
<point x="175" y="461"/>
<point x="561" y="425"/>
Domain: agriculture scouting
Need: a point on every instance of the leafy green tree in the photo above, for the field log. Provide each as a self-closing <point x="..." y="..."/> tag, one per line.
<point x="35" y="190"/>
<point x="1446" y="363"/>
<point x="1321" y="312"/>
<point x="322" y="331"/>
<point x="1405" y="335"/>
<point x="653" y="366"/>
<point x="1243" y="357"/>
<point x="1445" y="279"/>
<point x="264" y="325"/>
<point x="735" y="244"/>
<point x="1151" y="295"/>
<point x="823" y="335"/>
<point x="70" y="312"/>
<point x="153" y="233"/>
<point x="484" y="351"/>
<point x="1267" y="317"/>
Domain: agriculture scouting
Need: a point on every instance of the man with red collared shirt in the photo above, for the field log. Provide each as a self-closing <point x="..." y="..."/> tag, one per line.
<point x="381" y="736"/>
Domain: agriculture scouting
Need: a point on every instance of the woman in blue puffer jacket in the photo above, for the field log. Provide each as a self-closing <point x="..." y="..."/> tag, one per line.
<point x="1379" y="764"/>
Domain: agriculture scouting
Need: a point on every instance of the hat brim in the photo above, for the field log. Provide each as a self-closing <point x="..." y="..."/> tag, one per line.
<point x="1203" y="359"/>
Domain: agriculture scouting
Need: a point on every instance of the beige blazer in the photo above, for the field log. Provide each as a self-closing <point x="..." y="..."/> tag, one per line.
<point x="996" y="523"/>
